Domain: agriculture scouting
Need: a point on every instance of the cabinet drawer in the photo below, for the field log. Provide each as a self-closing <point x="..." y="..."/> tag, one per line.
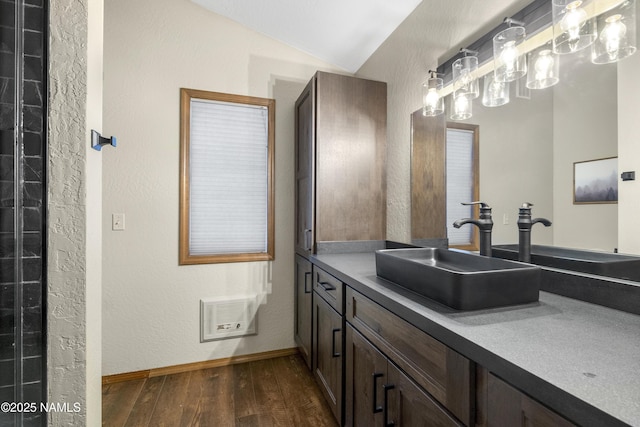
<point x="444" y="373"/>
<point x="329" y="288"/>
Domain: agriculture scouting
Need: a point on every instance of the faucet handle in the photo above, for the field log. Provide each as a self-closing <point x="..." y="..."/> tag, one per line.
<point x="482" y="204"/>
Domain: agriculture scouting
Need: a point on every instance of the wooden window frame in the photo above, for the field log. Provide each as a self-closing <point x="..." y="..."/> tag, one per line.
<point x="474" y="245"/>
<point x="185" y="258"/>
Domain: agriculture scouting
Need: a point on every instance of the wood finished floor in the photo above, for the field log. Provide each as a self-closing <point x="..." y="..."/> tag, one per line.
<point x="272" y="392"/>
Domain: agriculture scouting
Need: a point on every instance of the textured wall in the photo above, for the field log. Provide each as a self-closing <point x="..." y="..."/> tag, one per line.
<point x="67" y="208"/>
<point x="150" y="304"/>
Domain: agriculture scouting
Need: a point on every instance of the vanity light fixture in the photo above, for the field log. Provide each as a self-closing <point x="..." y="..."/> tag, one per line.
<point x="573" y="30"/>
<point x="432" y="100"/>
<point x="510" y="64"/>
<point x="461" y="107"/>
<point x="495" y="93"/>
<point x="544" y="68"/>
<point x="617" y="38"/>
<point x="465" y="79"/>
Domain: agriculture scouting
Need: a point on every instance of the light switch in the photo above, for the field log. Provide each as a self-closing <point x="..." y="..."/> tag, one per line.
<point x="117" y="221"/>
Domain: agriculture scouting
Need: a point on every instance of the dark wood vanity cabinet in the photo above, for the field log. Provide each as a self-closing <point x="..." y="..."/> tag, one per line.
<point x="502" y="405"/>
<point x="303" y="307"/>
<point x="340" y="177"/>
<point x="328" y="338"/>
<point x="414" y="378"/>
<point x="327" y="345"/>
<point x="377" y="392"/>
<point x="365" y="374"/>
<point x="340" y="171"/>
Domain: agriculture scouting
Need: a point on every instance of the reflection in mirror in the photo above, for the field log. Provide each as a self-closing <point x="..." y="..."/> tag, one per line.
<point x="527" y="151"/>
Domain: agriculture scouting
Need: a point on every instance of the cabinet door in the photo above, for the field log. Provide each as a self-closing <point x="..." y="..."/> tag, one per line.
<point x="508" y="407"/>
<point x="406" y="404"/>
<point x="304" y="147"/>
<point x="303" y="307"/>
<point x="328" y="350"/>
<point x="365" y="373"/>
<point x="442" y="372"/>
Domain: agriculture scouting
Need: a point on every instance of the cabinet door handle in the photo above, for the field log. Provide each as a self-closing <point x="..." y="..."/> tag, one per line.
<point x="385" y="411"/>
<point x="376" y="408"/>
<point x="307" y="239"/>
<point x="334" y="353"/>
<point x="327" y="286"/>
<point x="306" y="275"/>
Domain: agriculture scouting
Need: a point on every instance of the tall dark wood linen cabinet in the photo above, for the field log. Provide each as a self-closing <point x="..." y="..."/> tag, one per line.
<point x="341" y="150"/>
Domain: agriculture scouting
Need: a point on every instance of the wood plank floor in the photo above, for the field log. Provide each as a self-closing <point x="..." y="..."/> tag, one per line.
<point x="272" y="392"/>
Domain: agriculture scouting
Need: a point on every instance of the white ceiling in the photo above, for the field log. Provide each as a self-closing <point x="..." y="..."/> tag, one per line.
<point x="342" y="32"/>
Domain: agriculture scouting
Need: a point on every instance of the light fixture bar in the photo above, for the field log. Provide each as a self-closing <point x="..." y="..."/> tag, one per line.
<point x="538" y="19"/>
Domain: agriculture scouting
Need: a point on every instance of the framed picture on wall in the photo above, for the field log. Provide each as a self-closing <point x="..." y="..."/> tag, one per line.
<point x="595" y="181"/>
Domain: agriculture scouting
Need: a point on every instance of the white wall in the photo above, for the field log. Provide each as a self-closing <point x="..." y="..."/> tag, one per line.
<point x="95" y="12"/>
<point x="516" y="143"/>
<point x="74" y="197"/>
<point x="150" y="304"/>
<point x="629" y="151"/>
<point x="584" y="128"/>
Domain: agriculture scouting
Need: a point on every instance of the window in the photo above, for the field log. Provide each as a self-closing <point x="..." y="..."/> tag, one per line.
<point x="226" y="178"/>
<point x="462" y="183"/>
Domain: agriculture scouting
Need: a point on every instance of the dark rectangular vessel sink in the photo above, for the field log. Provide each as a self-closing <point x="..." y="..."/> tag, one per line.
<point x="460" y="280"/>
<point x="608" y="264"/>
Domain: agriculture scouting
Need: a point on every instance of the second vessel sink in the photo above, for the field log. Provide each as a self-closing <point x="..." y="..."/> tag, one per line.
<point x="462" y="281"/>
<point x="600" y="263"/>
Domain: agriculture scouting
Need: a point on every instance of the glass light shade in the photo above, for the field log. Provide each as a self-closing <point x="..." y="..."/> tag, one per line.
<point x="617" y="38"/>
<point x="509" y="63"/>
<point x="461" y="107"/>
<point x="432" y="101"/>
<point x="465" y="79"/>
<point x="573" y="30"/>
<point x="495" y="93"/>
<point x="544" y="68"/>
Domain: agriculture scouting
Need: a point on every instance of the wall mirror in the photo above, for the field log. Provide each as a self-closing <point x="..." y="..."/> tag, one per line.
<point x="527" y="149"/>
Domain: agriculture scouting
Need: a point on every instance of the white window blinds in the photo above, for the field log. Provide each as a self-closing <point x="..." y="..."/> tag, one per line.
<point x="228" y="178"/>
<point x="459" y="183"/>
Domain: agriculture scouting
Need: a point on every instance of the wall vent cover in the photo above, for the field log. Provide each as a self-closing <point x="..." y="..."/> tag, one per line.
<point x="233" y="317"/>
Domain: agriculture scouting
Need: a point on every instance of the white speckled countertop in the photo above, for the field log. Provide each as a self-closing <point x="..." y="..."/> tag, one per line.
<point x="580" y="359"/>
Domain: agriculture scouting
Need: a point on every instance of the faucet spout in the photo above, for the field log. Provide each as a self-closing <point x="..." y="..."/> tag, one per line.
<point x="459" y="223"/>
<point x="484" y="224"/>
<point x="543" y="221"/>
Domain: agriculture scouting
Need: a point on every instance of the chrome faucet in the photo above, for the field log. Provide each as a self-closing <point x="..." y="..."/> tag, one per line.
<point x="524" y="226"/>
<point x="484" y="224"/>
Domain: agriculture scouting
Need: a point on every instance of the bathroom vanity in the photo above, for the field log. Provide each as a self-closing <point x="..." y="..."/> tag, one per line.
<point x="384" y="354"/>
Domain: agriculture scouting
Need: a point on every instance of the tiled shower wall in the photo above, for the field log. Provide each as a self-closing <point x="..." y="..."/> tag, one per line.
<point x="22" y="206"/>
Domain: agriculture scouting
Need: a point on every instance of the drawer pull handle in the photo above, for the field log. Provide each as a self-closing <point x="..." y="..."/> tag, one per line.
<point x="306" y="275"/>
<point x="376" y="408"/>
<point x="334" y="353"/>
<point x="327" y="286"/>
<point x="385" y="415"/>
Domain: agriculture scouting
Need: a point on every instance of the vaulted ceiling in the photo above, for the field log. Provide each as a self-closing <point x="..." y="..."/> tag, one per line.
<point x="342" y="32"/>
